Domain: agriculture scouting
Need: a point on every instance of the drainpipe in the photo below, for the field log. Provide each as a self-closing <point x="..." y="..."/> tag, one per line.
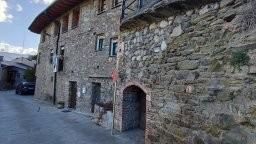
<point x="120" y="46"/>
<point x="114" y="111"/>
<point x="55" y="73"/>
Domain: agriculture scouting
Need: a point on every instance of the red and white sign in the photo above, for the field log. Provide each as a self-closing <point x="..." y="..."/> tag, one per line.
<point x="114" y="75"/>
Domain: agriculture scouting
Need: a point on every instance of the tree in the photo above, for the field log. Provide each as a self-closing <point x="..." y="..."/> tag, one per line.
<point x="32" y="57"/>
<point x="30" y="75"/>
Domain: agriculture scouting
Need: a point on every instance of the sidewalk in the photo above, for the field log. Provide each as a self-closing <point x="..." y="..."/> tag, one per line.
<point x="26" y="121"/>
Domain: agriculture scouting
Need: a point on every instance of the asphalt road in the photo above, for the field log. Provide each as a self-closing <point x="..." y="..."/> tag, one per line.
<point x="22" y="122"/>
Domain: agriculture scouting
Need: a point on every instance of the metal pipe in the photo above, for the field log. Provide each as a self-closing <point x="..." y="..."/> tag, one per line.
<point x="55" y="73"/>
<point x="114" y="112"/>
<point x="120" y="49"/>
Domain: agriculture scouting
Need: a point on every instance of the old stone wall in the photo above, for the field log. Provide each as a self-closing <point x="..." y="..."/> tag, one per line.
<point x="82" y="63"/>
<point x="197" y="69"/>
<point x="44" y="69"/>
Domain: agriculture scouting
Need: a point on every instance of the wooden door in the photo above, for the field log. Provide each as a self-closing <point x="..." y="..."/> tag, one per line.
<point x="72" y="94"/>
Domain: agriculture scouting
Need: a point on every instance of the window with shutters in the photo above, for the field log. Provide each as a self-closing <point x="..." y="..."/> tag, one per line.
<point x="75" y="18"/>
<point x="65" y="24"/>
<point x="99" y="43"/>
<point x="39" y="58"/>
<point x="116" y="3"/>
<point x="56" y="28"/>
<point x="102" y="6"/>
<point x="51" y="56"/>
<point x="113" y="47"/>
<point x="61" y="59"/>
<point x="43" y="36"/>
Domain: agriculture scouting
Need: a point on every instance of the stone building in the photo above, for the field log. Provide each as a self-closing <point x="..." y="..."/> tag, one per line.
<point x="186" y="67"/>
<point x="13" y="72"/>
<point x="79" y="40"/>
<point x="187" y="71"/>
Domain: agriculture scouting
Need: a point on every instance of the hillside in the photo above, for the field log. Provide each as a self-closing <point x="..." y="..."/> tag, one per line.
<point x="11" y="56"/>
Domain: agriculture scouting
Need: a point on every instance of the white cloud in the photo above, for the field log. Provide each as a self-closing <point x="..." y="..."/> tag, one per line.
<point x="19" y="8"/>
<point x="4" y="15"/>
<point x="46" y="2"/>
<point x="5" y="47"/>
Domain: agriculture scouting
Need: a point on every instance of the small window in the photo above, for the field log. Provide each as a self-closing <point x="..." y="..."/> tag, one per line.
<point x="43" y="37"/>
<point x="56" y="28"/>
<point x="65" y="24"/>
<point x="116" y="3"/>
<point x="75" y="18"/>
<point x="18" y="75"/>
<point x="39" y="58"/>
<point x="102" y="6"/>
<point x="113" y="47"/>
<point x="61" y="59"/>
<point x="51" y="56"/>
<point x="99" y="43"/>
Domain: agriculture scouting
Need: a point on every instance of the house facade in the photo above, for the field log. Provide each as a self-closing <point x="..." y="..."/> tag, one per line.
<point x="12" y="72"/>
<point x="82" y="36"/>
<point x="186" y="68"/>
<point x="187" y="71"/>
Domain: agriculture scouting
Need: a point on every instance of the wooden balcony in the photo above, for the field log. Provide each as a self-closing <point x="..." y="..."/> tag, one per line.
<point x="148" y="11"/>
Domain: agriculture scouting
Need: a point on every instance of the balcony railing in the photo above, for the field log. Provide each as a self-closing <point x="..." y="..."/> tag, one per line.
<point x="131" y="7"/>
<point x="155" y="10"/>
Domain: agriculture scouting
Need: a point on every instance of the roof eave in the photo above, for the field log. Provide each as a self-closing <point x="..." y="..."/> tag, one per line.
<point x="50" y="14"/>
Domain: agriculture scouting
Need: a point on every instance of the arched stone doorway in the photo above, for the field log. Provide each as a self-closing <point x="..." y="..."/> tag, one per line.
<point x="134" y="108"/>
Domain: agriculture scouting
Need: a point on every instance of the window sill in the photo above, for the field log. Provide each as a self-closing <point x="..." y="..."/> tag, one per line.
<point x="101" y="12"/>
<point x="112" y="56"/>
<point x="116" y="6"/>
<point x="74" y="27"/>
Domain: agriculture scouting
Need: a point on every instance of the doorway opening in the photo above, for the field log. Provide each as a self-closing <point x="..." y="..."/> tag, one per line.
<point x="96" y="94"/>
<point x="134" y="108"/>
<point x="72" y="94"/>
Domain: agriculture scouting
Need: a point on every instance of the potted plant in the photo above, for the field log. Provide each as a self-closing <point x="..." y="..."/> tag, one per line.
<point x="60" y="104"/>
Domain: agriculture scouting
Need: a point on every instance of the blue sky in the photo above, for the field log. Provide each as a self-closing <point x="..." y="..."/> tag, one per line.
<point x="15" y="18"/>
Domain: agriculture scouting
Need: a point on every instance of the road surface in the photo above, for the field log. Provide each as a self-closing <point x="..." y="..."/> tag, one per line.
<point x="26" y="121"/>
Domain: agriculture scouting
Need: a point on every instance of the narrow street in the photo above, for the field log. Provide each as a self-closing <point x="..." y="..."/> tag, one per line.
<point x="26" y="121"/>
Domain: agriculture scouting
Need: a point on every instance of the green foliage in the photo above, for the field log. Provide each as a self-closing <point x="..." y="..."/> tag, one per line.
<point x="248" y="124"/>
<point x="32" y="57"/>
<point x="215" y="66"/>
<point x="213" y="130"/>
<point x="61" y="103"/>
<point x="30" y="75"/>
<point x="253" y="112"/>
<point x="238" y="59"/>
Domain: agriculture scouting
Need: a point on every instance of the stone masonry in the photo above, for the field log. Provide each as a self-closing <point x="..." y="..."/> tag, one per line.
<point x="197" y="68"/>
<point x="82" y="64"/>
